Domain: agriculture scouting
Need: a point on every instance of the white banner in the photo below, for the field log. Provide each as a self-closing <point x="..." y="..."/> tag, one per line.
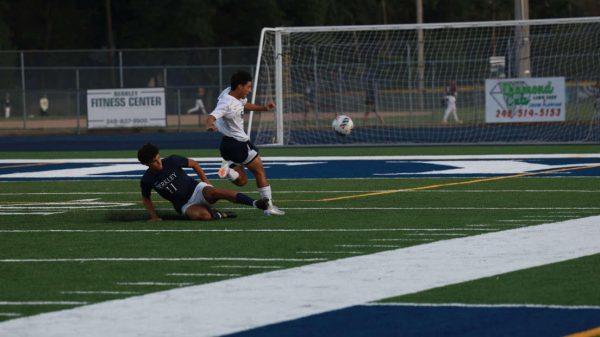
<point x="518" y="100"/>
<point x="126" y="108"/>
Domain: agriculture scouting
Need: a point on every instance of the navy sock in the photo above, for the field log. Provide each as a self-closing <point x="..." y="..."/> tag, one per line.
<point x="241" y="198"/>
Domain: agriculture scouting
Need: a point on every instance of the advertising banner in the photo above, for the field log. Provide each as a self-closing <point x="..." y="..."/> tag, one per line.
<point x="519" y="100"/>
<point x="126" y="108"/>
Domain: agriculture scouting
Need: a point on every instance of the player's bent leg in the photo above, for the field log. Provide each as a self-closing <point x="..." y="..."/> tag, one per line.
<point x="198" y="212"/>
<point x="257" y="169"/>
<point x="242" y="179"/>
<point x="213" y="194"/>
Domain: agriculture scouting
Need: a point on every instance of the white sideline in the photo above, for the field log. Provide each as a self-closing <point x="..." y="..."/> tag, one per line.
<point x="248" y="302"/>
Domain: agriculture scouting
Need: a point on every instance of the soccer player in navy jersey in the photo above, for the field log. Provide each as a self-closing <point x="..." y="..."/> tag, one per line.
<point x="188" y="196"/>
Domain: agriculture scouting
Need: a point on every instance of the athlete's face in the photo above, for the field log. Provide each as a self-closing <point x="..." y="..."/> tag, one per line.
<point x="155" y="164"/>
<point x="246" y="89"/>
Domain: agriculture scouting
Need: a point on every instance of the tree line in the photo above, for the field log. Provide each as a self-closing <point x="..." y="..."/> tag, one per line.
<point x="122" y="24"/>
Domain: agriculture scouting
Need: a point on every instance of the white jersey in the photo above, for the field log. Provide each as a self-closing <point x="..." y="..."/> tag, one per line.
<point x="229" y="114"/>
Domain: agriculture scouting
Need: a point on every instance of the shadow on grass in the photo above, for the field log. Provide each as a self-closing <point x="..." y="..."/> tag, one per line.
<point x="128" y="216"/>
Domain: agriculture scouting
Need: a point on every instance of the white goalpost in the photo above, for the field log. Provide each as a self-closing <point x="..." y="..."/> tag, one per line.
<point x="530" y="81"/>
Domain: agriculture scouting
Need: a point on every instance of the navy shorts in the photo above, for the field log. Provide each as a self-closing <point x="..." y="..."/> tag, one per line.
<point x="242" y="153"/>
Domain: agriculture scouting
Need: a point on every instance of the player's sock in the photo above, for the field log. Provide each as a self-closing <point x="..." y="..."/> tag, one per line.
<point x="265" y="192"/>
<point x="232" y="174"/>
<point x="241" y="198"/>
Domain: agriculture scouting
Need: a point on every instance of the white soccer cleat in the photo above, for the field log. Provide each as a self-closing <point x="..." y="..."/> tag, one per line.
<point x="224" y="169"/>
<point x="273" y="210"/>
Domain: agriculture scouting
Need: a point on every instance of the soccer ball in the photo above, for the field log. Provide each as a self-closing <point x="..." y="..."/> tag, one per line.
<point x="342" y="125"/>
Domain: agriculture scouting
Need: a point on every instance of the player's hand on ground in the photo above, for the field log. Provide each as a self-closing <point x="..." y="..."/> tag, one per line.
<point x="155" y="219"/>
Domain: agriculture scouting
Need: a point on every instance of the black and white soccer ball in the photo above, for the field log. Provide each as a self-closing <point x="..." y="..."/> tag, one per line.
<point x="342" y="125"/>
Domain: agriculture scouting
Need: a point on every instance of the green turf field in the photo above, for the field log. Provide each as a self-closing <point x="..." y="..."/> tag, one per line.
<point x="96" y="244"/>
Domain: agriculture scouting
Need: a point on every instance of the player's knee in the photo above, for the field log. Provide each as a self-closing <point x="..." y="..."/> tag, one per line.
<point x="201" y="214"/>
<point x="241" y="180"/>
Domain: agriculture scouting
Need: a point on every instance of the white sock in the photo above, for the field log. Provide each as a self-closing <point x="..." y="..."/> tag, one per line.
<point x="233" y="174"/>
<point x="265" y="192"/>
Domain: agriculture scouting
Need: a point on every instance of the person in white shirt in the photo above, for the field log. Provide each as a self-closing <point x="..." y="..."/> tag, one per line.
<point x="451" y="103"/>
<point x="236" y="149"/>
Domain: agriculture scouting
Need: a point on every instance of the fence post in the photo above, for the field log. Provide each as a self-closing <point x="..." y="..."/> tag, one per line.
<point x="178" y="109"/>
<point x="23" y="91"/>
<point x="78" y="104"/>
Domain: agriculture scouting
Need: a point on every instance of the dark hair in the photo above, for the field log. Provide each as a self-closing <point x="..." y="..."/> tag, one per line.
<point x="146" y="153"/>
<point x="240" y="77"/>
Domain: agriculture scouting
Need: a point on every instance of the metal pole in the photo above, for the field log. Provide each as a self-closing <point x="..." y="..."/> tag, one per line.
<point x="523" y="60"/>
<point x="78" y="101"/>
<point x="421" y="53"/>
<point x="220" y="69"/>
<point x="278" y="88"/>
<point x="121" y="67"/>
<point x="23" y="93"/>
<point x="179" y="110"/>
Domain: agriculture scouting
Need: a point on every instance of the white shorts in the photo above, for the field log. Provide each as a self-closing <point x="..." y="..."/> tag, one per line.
<point x="197" y="198"/>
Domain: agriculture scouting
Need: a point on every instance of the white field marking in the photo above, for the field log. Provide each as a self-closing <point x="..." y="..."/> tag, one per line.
<point x="548" y="217"/>
<point x="534" y="220"/>
<point x="370" y="208"/>
<point x="319" y="191"/>
<point x="267" y="230"/>
<point x="478" y="225"/>
<point x="99" y="292"/>
<point x="155" y="259"/>
<point x="42" y="303"/>
<point x="328" y="252"/>
<point x="435" y="234"/>
<point x="467" y="305"/>
<point x="252" y="301"/>
<point x="249" y="267"/>
<point x="154" y="284"/>
<point x="30" y="213"/>
<point x="312" y="158"/>
<point x="368" y="246"/>
<point x="9" y="314"/>
<point x="402" y="239"/>
<point x="202" y="274"/>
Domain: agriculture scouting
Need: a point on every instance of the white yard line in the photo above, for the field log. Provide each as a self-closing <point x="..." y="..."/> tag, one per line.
<point x="248" y="267"/>
<point x="259" y="230"/>
<point x="42" y="303"/>
<point x="247" y="302"/>
<point x="99" y="292"/>
<point x="154" y="259"/>
<point x="319" y="158"/>
<point x="150" y="283"/>
<point x="203" y="274"/>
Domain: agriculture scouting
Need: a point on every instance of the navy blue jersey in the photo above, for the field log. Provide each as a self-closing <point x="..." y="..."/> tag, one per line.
<point x="172" y="183"/>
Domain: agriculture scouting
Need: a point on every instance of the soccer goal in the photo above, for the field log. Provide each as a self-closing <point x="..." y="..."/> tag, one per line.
<point x="532" y="81"/>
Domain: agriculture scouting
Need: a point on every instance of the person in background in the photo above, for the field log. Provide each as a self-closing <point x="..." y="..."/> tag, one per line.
<point x="44" y="105"/>
<point x="451" y="103"/>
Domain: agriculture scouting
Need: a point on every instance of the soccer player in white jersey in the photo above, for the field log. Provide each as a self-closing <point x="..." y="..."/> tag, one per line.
<point x="236" y="148"/>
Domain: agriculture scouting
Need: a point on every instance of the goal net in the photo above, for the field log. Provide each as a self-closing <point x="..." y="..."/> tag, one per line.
<point x="535" y="81"/>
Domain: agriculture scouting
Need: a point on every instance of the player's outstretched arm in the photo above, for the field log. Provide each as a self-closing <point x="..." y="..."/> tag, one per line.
<point x="198" y="169"/>
<point x="256" y="107"/>
<point x="150" y="208"/>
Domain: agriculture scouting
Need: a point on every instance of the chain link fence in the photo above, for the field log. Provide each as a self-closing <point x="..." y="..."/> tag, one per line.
<point x="63" y="77"/>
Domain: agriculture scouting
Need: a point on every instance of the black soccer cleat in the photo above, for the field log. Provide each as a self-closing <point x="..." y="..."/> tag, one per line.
<point x="228" y="215"/>
<point x="262" y="203"/>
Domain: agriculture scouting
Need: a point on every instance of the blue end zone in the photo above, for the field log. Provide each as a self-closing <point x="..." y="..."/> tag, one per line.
<point x="449" y="321"/>
<point x="317" y="168"/>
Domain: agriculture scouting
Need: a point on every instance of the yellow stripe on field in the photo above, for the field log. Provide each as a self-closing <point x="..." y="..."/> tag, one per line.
<point x="468" y="182"/>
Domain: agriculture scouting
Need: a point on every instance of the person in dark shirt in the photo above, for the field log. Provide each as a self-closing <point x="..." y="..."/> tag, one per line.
<point x="188" y="196"/>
